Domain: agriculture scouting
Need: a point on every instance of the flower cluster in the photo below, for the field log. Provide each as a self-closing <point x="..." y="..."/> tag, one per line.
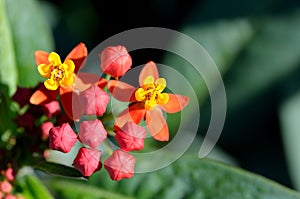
<point x="6" y="184"/>
<point x="84" y="98"/>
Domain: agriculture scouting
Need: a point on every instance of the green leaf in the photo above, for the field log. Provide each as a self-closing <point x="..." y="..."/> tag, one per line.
<point x="272" y="55"/>
<point x="289" y="119"/>
<point x="78" y="190"/>
<point x="30" y="32"/>
<point x="31" y="185"/>
<point x="8" y="72"/>
<point x="58" y="169"/>
<point x="191" y="177"/>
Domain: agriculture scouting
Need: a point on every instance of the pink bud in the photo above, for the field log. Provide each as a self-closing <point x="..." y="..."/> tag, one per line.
<point x="9" y="174"/>
<point x="10" y="196"/>
<point x="5" y="186"/>
<point x="45" y="128"/>
<point x="95" y="100"/>
<point x="51" y="109"/>
<point x="131" y="137"/>
<point x="62" y="138"/>
<point x="92" y="133"/>
<point x="87" y="161"/>
<point x="46" y="154"/>
<point x="115" y="61"/>
<point x="120" y="165"/>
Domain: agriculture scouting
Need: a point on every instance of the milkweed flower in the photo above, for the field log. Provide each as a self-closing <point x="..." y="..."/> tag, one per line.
<point x="120" y="165"/>
<point x="147" y="102"/>
<point x="94" y="100"/>
<point x="62" y="138"/>
<point x="9" y="174"/>
<point x="92" y="133"/>
<point x="60" y="77"/>
<point x="45" y="127"/>
<point x="115" y="61"/>
<point x="5" y="186"/>
<point x="131" y="137"/>
<point x="51" y="109"/>
<point x="88" y="161"/>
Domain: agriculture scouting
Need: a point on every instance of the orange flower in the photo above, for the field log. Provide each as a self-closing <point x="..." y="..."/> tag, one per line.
<point x="147" y="102"/>
<point x="60" y="77"/>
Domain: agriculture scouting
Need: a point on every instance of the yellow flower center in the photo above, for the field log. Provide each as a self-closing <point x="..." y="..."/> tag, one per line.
<point x="151" y="92"/>
<point x="57" y="73"/>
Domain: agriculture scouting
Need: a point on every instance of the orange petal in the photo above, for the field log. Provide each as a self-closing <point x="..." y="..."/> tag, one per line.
<point x="78" y="55"/>
<point x="41" y="57"/>
<point x="121" y="91"/>
<point x="84" y="80"/>
<point x="157" y="125"/>
<point x="70" y="102"/>
<point x="43" y="96"/>
<point x="149" y="69"/>
<point x="176" y="103"/>
<point x="134" y="113"/>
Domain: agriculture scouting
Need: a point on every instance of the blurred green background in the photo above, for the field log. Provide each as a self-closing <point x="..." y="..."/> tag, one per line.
<point x="256" y="46"/>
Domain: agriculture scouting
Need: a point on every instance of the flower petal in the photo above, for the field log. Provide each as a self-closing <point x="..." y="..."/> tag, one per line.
<point x="54" y="59"/>
<point x="134" y="113"/>
<point x="41" y="57"/>
<point x="88" y="161"/>
<point x="51" y="84"/>
<point x="43" y="96"/>
<point x="44" y="70"/>
<point x="70" y="102"/>
<point x="95" y="100"/>
<point x="120" y="165"/>
<point x="131" y="137"/>
<point x="176" y="103"/>
<point x="62" y="138"/>
<point x="78" y="55"/>
<point x="51" y="109"/>
<point x="149" y="69"/>
<point x="157" y="125"/>
<point x="115" y="61"/>
<point x="69" y="66"/>
<point x="92" y="133"/>
<point x="84" y="80"/>
<point x="121" y="91"/>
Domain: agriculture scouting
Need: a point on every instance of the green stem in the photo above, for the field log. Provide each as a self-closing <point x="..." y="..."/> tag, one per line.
<point x="108" y="147"/>
<point x="107" y="78"/>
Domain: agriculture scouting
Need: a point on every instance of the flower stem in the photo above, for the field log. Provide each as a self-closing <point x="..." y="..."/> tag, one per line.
<point x="108" y="147"/>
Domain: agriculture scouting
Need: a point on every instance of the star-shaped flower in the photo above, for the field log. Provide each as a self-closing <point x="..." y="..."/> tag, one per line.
<point x="147" y="102"/>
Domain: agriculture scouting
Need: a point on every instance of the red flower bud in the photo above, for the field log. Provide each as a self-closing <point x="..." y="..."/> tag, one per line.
<point x="51" y="109"/>
<point x="10" y="196"/>
<point x="120" y="165"/>
<point x="5" y="186"/>
<point x="62" y="138"/>
<point x="9" y="174"/>
<point x="95" y="100"/>
<point x="115" y="61"/>
<point x="92" y="133"/>
<point x="45" y="128"/>
<point x="131" y="137"/>
<point x="88" y="161"/>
